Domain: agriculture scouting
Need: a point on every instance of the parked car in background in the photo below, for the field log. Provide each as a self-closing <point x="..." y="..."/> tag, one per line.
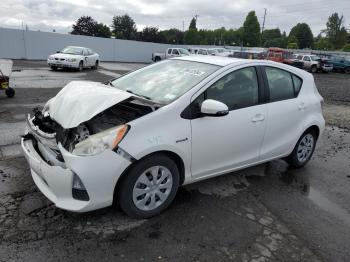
<point x="169" y="53"/>
<point x="193" y="50"/>
<point x="182" y="120"/>
<point x="206" y="51"/>
<point x="314" y="63"/>
<point x="340" y="63"/>
<point x="283" y="56"/>
<point x="74" y="57"/>
<point x="220" y="51"/>
<point x="248" y="54"/>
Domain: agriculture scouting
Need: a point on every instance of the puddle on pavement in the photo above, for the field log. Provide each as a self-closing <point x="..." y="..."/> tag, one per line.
<point x="300" y="181"/>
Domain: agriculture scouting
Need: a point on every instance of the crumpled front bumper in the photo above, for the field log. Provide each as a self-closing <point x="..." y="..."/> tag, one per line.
<point x="98" y="173"/>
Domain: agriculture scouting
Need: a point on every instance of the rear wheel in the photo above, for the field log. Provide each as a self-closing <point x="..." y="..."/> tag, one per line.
<point x="303" y="150"/>
<point x="347" y="70"/>
<point x="10" y="92"/>
<point x="149" y="187"/>
<point x="157" y="59"/>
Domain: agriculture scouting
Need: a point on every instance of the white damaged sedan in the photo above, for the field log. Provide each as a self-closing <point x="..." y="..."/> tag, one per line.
<point x="74" y="57"/>
<point x="141" y="136"/>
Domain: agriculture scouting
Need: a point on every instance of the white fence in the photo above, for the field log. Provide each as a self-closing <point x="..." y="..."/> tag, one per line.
<point x="21" y="44"/>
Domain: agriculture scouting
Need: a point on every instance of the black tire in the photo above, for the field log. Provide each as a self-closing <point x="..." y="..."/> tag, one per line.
<point x="347" y="70"/>
<point x="125" y="189"/>
<point x="96" y="65"/>
<point x="157" y="59"/>
<point x="54" y="68"/>
<point x="313" y="69"/>
<point x="10" y="92"/>
<point x="293" y="158"/>
<point x="81" y="66"/>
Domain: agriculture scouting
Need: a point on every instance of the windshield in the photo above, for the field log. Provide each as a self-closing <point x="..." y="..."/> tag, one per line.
<point x="211" y="51"/>
<point x="72" y="50"/>
<point x="184" y="51"/>
<point x="165" y="81"/>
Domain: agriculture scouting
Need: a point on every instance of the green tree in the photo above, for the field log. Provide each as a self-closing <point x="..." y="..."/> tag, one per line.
<point x="303" y="34"/>
<point x="192" y="37"/>
<point x="346" y="48"/>
<point x="151" y="34"/>
<point x="292" y="45"/>
<point x="103" y="30"/>
<point x="322" y="43"/>
<point x="251" y="30"/>
<point x="173" y="36"/>
<point x="124" y="27"/>
<point x="86" y="25"/>
<point x="274" y="38"/>
<point x="335" y="31"/>
<point x="193" y="24"/>
<point x="292" y="42"/>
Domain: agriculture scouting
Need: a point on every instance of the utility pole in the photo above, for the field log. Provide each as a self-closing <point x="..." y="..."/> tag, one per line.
<point x="263" y="26"/>
<point x="183" y="26"/>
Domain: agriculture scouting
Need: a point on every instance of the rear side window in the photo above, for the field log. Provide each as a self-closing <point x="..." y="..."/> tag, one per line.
<point x="169" y="51"/>
<point x="297" y="84"/>
<point x="280" y="84"/>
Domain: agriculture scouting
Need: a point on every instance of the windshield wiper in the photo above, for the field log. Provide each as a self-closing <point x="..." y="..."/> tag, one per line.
<point x="131" y="92"/>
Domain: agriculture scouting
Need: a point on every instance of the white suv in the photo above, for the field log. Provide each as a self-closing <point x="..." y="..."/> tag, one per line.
<point x="171" y="123"/>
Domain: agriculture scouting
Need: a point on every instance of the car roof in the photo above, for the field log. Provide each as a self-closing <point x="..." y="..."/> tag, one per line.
<point x="226" y="61"/>
<point x="214" y="60"/>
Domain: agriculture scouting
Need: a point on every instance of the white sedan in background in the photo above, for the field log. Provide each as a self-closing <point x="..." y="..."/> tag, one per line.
<point x="141" y="136"/>
<point x="74" y="57"/>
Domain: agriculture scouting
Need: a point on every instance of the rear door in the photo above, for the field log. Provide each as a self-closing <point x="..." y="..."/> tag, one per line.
<point x="285" y="111"/>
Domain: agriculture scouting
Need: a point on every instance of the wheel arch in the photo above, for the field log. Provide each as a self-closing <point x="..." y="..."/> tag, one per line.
<point x="172" y="155"/>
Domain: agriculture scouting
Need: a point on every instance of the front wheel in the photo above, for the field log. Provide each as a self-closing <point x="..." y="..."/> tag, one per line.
<point x="10" y="92"/>
<point x="303" y="150"/>
<point x="96" y="65"/>
<point x="81" y="66"/>
<point x="149" y="187"/>
<point x="314" y="69"/>
<point x="347" y="70"/>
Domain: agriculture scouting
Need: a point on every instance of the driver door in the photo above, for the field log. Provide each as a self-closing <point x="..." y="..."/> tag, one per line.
<point x="223" y="143"/>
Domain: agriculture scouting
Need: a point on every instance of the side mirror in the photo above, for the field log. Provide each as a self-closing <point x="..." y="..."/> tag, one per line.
<point x="212" y="107"/>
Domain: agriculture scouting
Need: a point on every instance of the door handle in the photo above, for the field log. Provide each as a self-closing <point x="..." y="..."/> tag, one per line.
<point x="258" y="118"/>
<point x="302" y="106"/>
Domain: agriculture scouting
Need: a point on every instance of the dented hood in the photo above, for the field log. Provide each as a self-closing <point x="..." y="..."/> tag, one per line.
<point x="79" y="101"/>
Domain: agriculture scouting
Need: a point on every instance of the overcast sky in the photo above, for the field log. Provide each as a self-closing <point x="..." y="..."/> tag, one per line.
<point x="47" y="15"/>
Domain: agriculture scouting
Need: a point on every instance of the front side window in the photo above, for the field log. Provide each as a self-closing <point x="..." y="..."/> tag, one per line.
<point x="169" y="51"/>
<point x="306" y="58"/>
<point x="184" y="51"/>
<point x="175" y="52"/>
<point x="237" y="89"/>
<point x="280" y="84"/>
<point x="165" y="81"/>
